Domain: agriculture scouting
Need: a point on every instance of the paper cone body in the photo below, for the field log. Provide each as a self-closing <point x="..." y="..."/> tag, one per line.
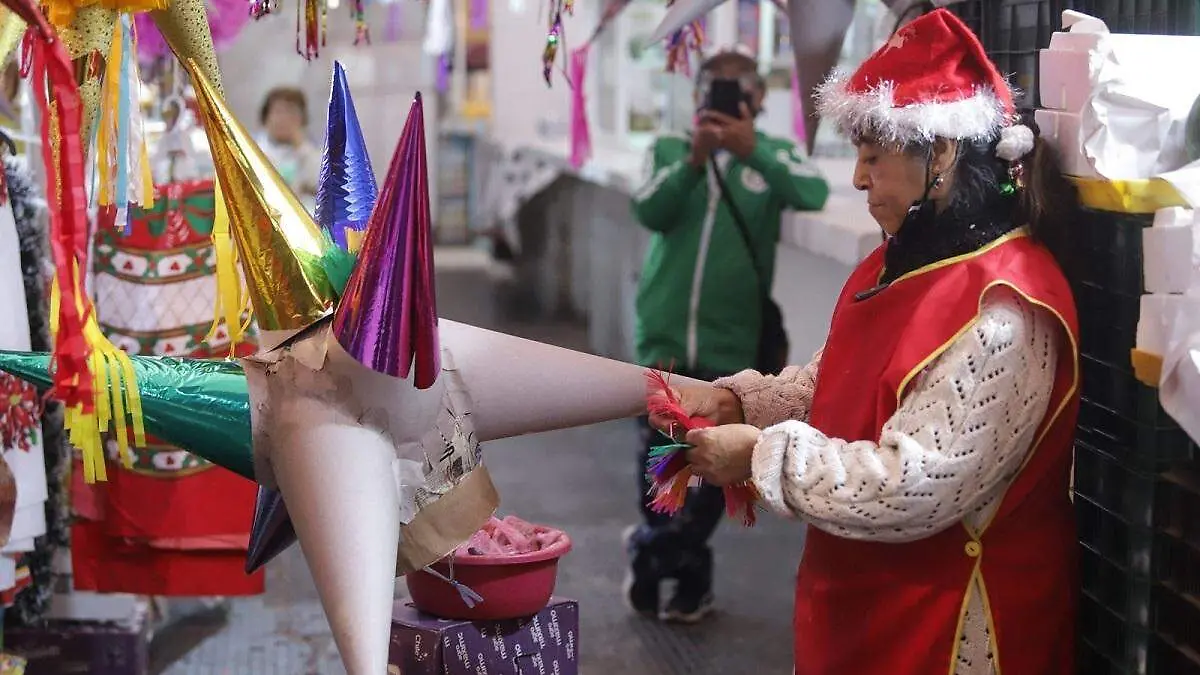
<point x="387" y="318"/>
<point x="279" y="245"/>
<point x="201" y="406"/>
<point x="346" y="190"/>
<point x="521" y="387"/>
<point x="679" y="15"/>
<point x="338" y="479"/>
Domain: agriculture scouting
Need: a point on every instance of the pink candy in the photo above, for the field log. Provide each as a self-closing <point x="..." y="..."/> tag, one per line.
<point x="510" y="536"/>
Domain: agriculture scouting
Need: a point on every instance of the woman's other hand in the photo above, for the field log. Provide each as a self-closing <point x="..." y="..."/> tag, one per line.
<point x="722" y="455"/>
<point x="719" y="406"/>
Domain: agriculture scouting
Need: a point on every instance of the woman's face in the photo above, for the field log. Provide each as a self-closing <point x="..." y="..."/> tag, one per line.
<point x="892" y="179"/>
<point x="285" y="122"/>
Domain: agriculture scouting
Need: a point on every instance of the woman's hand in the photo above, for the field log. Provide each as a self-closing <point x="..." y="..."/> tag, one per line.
<point x="722" y="455"/>
<point x="719" y="406"/>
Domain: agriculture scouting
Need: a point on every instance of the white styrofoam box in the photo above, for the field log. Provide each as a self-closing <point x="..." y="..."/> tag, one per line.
<point x="1151" y="328"/>
<point x="1167" y="256"/>
<point x="1176" y="216"/>
<point x="1065" y="79"/>
<point x="1157" y="317"/>
<point x="1061" y="130"/>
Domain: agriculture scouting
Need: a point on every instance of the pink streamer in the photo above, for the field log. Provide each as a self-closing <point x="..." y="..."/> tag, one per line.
<point x="581" y="137"/>
<point x="798" y="112"/>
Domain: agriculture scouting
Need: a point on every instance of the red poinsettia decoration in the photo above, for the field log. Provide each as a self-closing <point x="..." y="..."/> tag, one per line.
<point x="20" y="413"/>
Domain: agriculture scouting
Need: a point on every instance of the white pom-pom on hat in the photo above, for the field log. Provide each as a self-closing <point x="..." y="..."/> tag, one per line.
<point x="1015" y="142"/>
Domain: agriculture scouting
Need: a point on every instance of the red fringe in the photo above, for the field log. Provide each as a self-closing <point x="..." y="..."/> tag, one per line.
<point x="53" y="78"/>
<point x="670" y="489"/>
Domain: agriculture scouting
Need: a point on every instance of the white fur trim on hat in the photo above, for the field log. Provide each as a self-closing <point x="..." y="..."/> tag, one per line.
<point x="1016" y="141"/>
<point x="980" y="116"/>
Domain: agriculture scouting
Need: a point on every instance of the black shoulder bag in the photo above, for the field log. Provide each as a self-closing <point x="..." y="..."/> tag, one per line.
<point x="772" y="338"/>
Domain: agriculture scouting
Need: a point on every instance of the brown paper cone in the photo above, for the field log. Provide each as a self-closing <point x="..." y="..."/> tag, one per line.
<point x="337" y="481"/>
<point x="520" y="386"/>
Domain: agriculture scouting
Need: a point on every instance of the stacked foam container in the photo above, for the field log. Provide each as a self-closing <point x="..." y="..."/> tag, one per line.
<point x="1137" y="486"/>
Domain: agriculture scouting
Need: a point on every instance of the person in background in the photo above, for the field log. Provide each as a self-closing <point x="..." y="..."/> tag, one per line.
<point x="284" y="117"/>
<point x="699" y="299"/>
<point x="930" y="444"/>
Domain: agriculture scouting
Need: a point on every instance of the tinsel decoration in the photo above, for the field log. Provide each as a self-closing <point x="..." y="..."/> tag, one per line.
<point x="261" y="8"/>
<point x="581" y="137"/>
<point x="668" y="470"/>
<point x="311" y="16"/>
<point x="682" y="44"/>
<point x="554" y="37"/>
<point x="362" y="32"/>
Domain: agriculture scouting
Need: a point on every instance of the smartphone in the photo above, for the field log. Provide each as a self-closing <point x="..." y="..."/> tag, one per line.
<point x="725" y="96"/>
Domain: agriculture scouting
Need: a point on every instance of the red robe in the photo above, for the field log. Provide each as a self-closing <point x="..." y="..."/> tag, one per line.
<point x="870" y="608"/>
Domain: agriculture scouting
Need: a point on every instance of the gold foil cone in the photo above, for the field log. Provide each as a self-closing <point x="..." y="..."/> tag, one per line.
<point x="12" y="29"/>
<point x="184" y="25"/>
<point x="279" y="245"/>
<point x="88" y="39"/>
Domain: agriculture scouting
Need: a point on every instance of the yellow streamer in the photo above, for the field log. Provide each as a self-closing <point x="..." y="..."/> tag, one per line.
<point x="117" y="401"/>
<point x="1128" y="196"/>
<point x="232" y="302"/>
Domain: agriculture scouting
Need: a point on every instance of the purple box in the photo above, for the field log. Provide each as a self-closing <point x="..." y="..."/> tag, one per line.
<point x="544" y="644"/>
<point x="98" y="648"/>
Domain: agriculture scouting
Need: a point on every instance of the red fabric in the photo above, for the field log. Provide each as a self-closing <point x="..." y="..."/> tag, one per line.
<point x="866" y="608"/>
<point x="110" y="565"/>
<point x="934" y="59"/>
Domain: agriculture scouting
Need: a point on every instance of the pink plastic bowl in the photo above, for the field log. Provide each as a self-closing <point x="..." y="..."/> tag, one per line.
<point x="512" y="586"/>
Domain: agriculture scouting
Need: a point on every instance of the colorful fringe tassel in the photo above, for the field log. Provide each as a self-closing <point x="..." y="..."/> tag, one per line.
<point x="682" y="44"/>
<point x="93" y="379"/>
<point x="667" y="467"/>
<point x="122" y="161"/>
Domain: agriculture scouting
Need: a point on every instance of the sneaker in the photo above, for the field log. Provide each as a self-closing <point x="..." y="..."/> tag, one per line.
<point x="693" y="598"/>
<point x="641" y="587"/>
<point x="688" y="609"/>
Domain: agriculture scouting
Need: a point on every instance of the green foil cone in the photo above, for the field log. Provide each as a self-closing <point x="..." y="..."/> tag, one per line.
<point x="198" y="405"/>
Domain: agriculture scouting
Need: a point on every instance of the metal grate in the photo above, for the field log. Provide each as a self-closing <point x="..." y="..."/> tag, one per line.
<point x="1155" y="17"/>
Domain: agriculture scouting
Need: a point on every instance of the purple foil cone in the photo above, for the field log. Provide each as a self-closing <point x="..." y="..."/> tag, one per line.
<point x="387" y="318"/>
<point x="346" y="189"/>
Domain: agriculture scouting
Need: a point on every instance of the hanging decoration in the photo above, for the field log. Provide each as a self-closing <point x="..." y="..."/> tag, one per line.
<point x="682" y="44"/>
<point x="554" y="37"/>
<point x="362" y="32"/>
<point x="123" y="162"/>
<point x="581" y="137"/>
<point x="311" y="17"/>
<point x="668" y="468"/>
<point x="93" y="378"/>
<point x="226" y="19"/>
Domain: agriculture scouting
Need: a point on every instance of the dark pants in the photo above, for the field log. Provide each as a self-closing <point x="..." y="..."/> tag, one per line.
<point x="676" y="546"/>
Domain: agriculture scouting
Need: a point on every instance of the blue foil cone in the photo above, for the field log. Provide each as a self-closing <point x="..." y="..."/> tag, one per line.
<point x="346" y="190"/>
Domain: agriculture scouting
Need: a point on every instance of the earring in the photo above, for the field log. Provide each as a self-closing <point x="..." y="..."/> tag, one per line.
<point x="937" y="181"/>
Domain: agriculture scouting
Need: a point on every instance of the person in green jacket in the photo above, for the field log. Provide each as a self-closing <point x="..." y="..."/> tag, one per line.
<point x="699" y="300"/>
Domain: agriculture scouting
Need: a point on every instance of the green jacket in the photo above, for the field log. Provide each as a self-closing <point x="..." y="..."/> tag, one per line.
<point x="698" y="307"/>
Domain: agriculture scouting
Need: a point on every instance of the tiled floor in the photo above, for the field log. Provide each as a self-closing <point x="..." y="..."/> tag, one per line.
<point x="581" y="480"/>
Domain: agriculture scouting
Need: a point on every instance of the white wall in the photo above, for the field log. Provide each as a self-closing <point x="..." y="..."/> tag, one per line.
<point x="383" y="76"/>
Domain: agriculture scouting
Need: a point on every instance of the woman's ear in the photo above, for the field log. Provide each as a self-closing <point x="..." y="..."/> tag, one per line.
<point x="944" y="156"/>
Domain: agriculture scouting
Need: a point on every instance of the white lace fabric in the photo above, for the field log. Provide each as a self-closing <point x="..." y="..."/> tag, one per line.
<point x="947" y="455"/>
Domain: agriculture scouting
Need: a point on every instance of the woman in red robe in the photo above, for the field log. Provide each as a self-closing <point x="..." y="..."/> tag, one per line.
<point x="929" y="444"/>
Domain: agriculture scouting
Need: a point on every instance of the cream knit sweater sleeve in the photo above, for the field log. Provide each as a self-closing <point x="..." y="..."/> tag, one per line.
<point x="949" y="452"/>
<point x="771" y="399"/>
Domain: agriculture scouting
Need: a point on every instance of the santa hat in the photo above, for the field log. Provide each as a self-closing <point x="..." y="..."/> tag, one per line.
<point x="932" y="79"/>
